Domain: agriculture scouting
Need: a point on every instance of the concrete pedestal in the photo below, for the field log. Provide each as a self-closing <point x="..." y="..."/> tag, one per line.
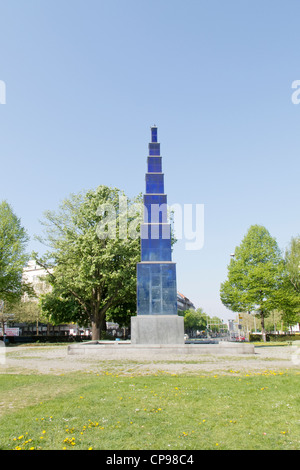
<point x="121" y="350"/>
<point x="157" y="329"/>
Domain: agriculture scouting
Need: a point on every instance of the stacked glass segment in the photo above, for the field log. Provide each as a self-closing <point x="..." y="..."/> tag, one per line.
<point x="156" y="273"/>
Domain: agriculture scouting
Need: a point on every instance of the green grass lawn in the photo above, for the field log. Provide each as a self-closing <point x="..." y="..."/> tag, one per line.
<point x="158" y="412"/>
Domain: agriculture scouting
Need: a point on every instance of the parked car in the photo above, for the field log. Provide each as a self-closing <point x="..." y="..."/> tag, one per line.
<point x="241" y="338"/>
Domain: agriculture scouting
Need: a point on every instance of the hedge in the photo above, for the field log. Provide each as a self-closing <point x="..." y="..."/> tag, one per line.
<point x="44" y="339"/>
<point x="274" y="338"/>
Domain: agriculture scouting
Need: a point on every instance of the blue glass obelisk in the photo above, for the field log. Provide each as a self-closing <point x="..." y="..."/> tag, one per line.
<point x="157" y="320"/>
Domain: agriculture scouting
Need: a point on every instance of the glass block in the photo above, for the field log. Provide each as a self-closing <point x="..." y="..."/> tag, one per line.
<point x="155" y="208"/>
<point x="156" y="274"/>
<point x="154" y="164"/>
<point x="155" y="199"/>
<point x="154" y="183"/>
<point x="154" y="149"/>
<point x="156" y="232"/>
<point x="154" y="298"/>
<point x="156" y="250"/>
<point x="153" y="134"/>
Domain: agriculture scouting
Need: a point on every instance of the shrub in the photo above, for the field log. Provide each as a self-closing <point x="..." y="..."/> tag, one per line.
<point x="274" y="338"/>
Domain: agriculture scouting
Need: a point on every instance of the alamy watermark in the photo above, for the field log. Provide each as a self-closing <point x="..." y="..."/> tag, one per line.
<point x="152" y="222"/>
<point x="296" y="94"/>
<point x="2" y="92"/>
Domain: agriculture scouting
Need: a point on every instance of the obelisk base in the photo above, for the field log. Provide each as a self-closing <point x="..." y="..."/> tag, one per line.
<point x="157" y="329"/>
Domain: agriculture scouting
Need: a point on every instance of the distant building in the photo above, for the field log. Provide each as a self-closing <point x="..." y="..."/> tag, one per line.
<point x="295" y="328"/>
<point x="34" y="274"/>
<point x="183" y="303"/>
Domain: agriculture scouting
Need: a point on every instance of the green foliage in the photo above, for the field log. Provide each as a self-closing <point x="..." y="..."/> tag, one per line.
<point x="195" y="320"/>
<point x="273" y="338"/>
<point x="25" y="312"/>
<point x="290" y="294"/>
<point x="123" y="312"/>
<point x="255" y="275"/>
<point x="292" y="262"/>
<point x="59" y="309"/>
<point x="13" y="241"/>
<point x="95" y="273"/>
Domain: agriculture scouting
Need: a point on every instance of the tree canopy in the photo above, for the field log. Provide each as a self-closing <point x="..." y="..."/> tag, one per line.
<point x="292" y="262"/>
<point x="13" y="256"/>
<point x="255" y="275"/>
<point x="290" y="297"/>
<point x="92" y="257"/>
<point x="195" y="320"/>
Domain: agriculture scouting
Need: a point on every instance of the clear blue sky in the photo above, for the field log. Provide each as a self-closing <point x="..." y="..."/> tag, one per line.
<point x="85" y="80"/>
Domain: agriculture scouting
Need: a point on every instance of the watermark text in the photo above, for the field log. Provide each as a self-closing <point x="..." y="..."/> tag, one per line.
<point x="2" y="92"/>
<point x="152" y="221"/>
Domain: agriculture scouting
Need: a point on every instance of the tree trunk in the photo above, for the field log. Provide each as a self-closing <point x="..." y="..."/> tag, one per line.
<point x="98" y="320"/>
<point x="103" y="323"/>
<point x="98" y="325"/>
<point x="263" y="332"/>
<point x="96" y="330"/>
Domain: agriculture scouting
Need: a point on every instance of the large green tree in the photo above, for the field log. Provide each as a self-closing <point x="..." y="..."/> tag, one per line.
<point x="13" y="256"/>
<point x="290" y="297"/>
<point x="255" y="275"/>
<point x="292" y="262"/>
<point x="94" y="247"/>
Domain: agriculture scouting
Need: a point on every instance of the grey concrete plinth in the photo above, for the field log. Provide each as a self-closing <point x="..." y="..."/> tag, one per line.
<point x="157" y="329"/>
<point x="126" y="350"/>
